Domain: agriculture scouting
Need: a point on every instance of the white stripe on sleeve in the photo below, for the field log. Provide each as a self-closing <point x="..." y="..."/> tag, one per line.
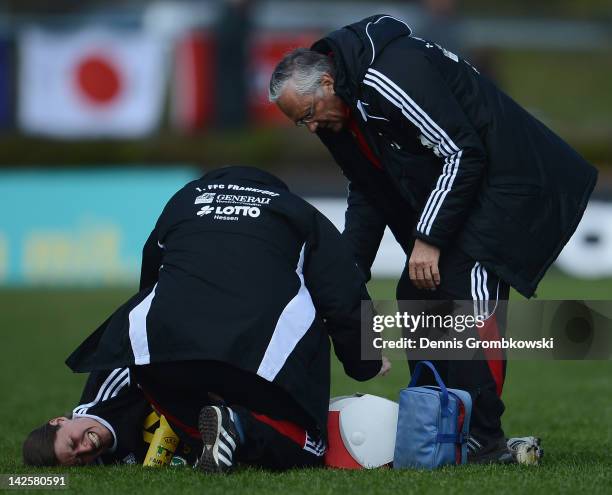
<point x="443" y="145"/>
<point x="138" y="329"/>
<point x="292" y="325"/>
<point x="122" y="385"/>
<point x="111" y="380"/>
<point x="437" y="196"/>
<point x="425" y="123"/>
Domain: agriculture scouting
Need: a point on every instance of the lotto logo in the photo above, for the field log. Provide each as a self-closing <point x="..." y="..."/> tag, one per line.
<point x="205" y="210"/>
<point x="250" y="211"/>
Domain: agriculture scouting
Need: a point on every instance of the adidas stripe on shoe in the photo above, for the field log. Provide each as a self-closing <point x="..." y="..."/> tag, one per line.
<point x="220" y="439"/>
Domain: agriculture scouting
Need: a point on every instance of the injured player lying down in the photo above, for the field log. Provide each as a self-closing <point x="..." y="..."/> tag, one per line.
<point x="243" y="284"/>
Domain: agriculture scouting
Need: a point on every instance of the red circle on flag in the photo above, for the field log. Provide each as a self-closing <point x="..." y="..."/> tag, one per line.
<point x="98" y="79"/>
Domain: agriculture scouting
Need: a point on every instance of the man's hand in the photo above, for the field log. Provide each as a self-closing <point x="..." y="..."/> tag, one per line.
<point x="386" y="366"/>
<point x="423" y="265"/>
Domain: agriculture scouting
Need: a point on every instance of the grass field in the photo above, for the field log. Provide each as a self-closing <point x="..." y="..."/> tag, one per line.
<point x="568" y="404"/>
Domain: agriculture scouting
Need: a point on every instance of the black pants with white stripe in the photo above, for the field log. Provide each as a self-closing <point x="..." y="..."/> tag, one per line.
<point x="464" y="279"/>
<point x="270" y="446"/>
<point x="272" y="425"/>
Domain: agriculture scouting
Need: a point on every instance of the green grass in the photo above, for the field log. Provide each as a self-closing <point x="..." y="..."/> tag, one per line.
<point x="577" y="107"/>
<point x="569" y="404"/>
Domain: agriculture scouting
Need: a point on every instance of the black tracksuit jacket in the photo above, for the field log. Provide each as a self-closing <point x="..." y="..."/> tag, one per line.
<point x="241" y="271"/>
<point x="463" y="165"/>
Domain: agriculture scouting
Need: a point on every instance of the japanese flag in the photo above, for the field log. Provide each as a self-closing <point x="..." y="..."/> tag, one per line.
<point x="90" y="83"/>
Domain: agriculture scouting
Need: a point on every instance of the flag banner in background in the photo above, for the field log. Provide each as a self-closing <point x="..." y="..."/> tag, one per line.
<point x="5" y="83"/>
<point x="192" y="82"/>
<point x="266" y="52"/>
<point x="90" y="83"/>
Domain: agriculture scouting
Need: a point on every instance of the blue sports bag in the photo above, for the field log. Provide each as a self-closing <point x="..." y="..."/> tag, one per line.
<point x="433" y="424"/>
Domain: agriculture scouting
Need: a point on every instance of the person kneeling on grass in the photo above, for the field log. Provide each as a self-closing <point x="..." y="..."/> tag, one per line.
<point x="242" y="285"/>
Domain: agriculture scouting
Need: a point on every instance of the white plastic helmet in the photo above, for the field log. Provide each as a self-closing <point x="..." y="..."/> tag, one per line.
<point x="361" y="431"/>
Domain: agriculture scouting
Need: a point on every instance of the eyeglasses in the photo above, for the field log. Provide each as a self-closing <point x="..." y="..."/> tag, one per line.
<point x="304" y="121"/>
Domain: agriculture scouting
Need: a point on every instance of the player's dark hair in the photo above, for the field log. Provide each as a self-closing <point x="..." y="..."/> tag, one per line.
<point x="38" y="447"/>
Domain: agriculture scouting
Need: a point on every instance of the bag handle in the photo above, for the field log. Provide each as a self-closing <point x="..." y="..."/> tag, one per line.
<point x="415" y="378"/>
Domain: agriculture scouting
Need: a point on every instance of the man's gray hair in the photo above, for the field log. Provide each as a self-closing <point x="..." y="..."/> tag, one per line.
<point x="302" y="66"/>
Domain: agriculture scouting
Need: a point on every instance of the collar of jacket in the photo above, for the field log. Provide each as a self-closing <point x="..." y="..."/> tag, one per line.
<point x="355" y="47"/>
<point x="251" y="174"/>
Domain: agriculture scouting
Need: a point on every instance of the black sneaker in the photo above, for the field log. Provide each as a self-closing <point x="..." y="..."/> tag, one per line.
<point x="220" y="438"/>
<point x="493" y="451"/>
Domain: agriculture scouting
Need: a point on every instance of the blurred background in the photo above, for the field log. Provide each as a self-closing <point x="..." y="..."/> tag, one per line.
<point x="108" y="107"/>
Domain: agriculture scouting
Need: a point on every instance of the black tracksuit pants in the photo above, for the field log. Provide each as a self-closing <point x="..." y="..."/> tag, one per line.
<point x="274" y="427"/>
<point x="464" y="279"/>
